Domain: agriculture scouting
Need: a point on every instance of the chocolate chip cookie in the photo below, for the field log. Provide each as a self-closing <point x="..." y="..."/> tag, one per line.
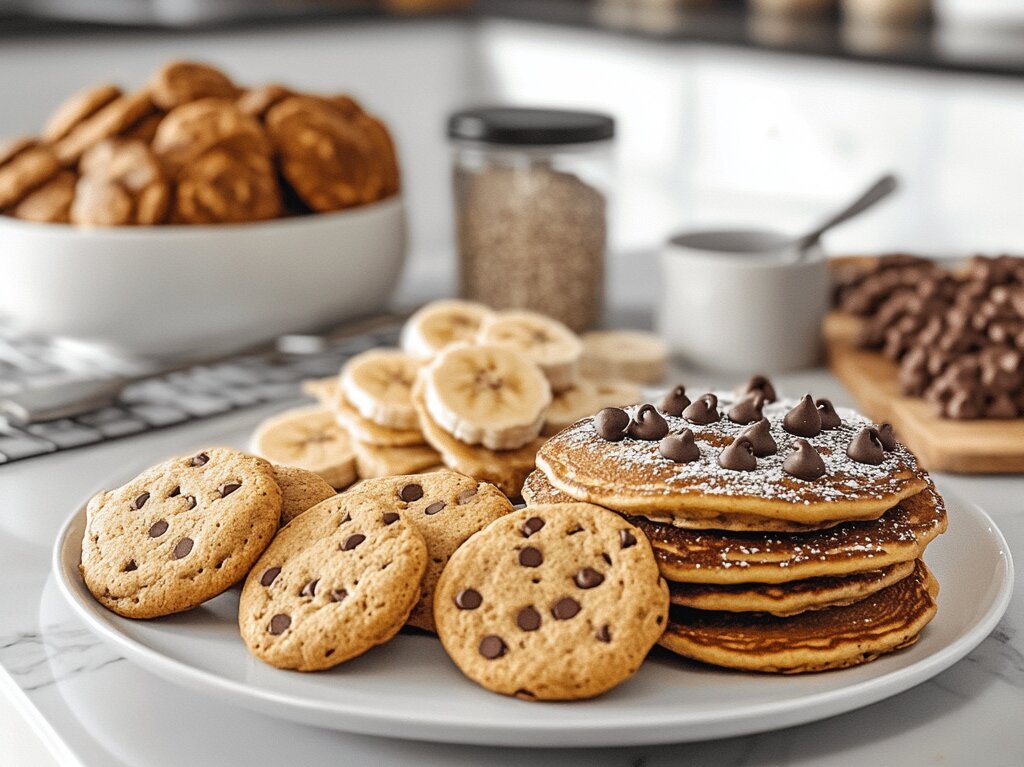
<point x="554" y="602"/>
<point x="338" y="580"/>
<point x="179" y="533"/>
<point x="301" y="490"/>
<point x="446" y="507"/>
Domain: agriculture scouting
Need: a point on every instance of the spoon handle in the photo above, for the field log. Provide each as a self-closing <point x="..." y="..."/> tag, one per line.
<point x="878" y="191"/>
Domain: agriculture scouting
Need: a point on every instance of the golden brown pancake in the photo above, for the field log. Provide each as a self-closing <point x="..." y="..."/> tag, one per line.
<point x="632" y="476"/>
<point x="537" y="489"/>
<point x="901" y="535"/>
<point x="792" y="598"/>
<point x="817" y="640"/>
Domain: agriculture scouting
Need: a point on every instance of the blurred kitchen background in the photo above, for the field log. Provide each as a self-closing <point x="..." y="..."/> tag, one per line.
<point x="725" y="112"/>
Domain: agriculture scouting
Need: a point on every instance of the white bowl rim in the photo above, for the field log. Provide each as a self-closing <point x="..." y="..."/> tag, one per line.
<point x="72" y="231"/>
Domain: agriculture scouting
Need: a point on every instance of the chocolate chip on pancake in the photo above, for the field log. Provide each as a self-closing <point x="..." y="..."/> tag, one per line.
<point x="675" y="402"/>
<point x="738" y="456"/>
<point x="703" y="410"/>
<point x="648" y="424"/>
<point x="804" y="420"/>
<point x="804" y="462"/>
<point x="760" y="436"/>
<point x="748" y="409"/>
<point x="866" y="447"/>
<point x="611" y="423"/>
<point x="829" y="417"/>
<point x="680" y="447"/>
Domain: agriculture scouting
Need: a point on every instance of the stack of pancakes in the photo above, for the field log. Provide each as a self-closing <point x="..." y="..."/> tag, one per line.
<point x="768" y="572"/>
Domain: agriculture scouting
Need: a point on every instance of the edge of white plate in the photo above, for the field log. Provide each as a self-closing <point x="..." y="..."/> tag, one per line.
<point x="425" y="726"/>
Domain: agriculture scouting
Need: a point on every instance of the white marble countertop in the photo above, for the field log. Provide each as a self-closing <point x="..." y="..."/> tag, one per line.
<point x="89" y="707"/>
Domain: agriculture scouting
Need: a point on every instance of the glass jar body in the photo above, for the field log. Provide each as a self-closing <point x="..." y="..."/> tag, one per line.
<point x="531" y="227"/>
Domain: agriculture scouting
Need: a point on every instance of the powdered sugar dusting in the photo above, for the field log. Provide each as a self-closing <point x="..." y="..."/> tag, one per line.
<point x="638" y="464"/>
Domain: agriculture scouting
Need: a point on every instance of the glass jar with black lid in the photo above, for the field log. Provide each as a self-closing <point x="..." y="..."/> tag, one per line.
<point x="531" y="192"/>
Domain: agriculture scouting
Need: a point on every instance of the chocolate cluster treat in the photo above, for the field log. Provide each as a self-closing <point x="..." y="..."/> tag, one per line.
<point x="958" y="336"/>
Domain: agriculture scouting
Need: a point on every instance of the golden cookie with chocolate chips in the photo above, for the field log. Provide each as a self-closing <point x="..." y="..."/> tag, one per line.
<point x="325" y="156"/>
<point x="195" y="129"/>
<point x="122" y="184"/>
<point x="337" y="581"/>
<point x="180" y="533"/>
<point x="301" y="490"/>
<point x="24" y="166"/>
<point x="50" y="203"/>
<point x="110" y="120"/>
<point x="76" y="108"/>
<point x="447" y="508"/>
<point x="256" y="101"/>
<point x="554" y="602"/>
<point x="182" y="82"/>
<point x="223" y="187"/>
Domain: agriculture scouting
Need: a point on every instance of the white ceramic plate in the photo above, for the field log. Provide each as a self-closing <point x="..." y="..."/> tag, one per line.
<point x="410" y="689"/>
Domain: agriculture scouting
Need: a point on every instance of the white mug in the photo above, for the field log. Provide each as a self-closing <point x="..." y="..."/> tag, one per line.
<point x="732" y="301"/>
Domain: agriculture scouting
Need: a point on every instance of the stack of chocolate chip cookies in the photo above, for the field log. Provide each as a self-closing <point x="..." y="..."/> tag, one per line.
<point x="194" y="147"/>
<point x="472" y="389"/>
<point x="791" y="536"/>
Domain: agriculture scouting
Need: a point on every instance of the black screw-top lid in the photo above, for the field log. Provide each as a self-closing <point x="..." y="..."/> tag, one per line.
<point x="524" y="127"/>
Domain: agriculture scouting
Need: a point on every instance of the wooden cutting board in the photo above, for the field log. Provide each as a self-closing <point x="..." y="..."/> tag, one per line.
<point x="960" y="447"/>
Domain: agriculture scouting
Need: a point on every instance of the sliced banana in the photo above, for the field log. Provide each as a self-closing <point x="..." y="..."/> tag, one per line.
<point x="614" y="393"/>
<point x="570" y="405"/>
<point x="309" y="438"/>
<point x="323" y="390"/>
<point x="631" y="355"/>
<point x="365" y="430"/>
<point x="547" y="342"/>
<point x="377" y="384"/>
<point x="440" y="324"/>
<point x="486" y="395"/>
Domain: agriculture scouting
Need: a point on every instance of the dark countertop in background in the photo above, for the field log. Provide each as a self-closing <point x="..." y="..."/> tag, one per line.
<point x="929" y="46"/>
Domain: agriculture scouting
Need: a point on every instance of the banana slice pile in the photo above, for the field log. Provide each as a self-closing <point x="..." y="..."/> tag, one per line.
<point x="470" y="388"/>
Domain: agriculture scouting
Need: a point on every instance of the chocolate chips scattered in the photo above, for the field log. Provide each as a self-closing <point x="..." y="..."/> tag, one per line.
<point x="804" y="462"/>
<point x="338" y="595"/>
<point x="411" y="493"/>
<point x="468" y="599"/>
<point x="703" y="410"/>
<point x="887" y="437"/>
<point x="611" y="424"/>
<point x="199" y="460"/>
<point x="140" y="501"/>
<point x="466" y="495"/>
<point x="530" y="557"/>
<point x="279" y="624"/>
<point x="183" y="548"/>
<point x="309" y="590"/>
<point x="228" y="488"/>
<point x="829" y="417"/>
<point x="648" y="424"/>
<point x="866" y="447"/>
<point x="675" y="402"/>
<point x="748" y="409"/>
<point x="804" y="420"/>
<point x="761" y="439"/>
<point x="761" y="385"/>
<point x="679" y="448"/>
<point x="604" y="634"/>
<point x="434" y="508"/>
<point x="352" y="541"/>
<point x="269" y="576"/>
<point x="158" y="528"/>
<point x="492" y="647"/>
<point x="588" y="578"/>
<point x="528" y="619"/>
<point x="738" y="456"/>
<point x="626" y="539"/>
<point x="565" y="608"/>
<point x="531" y="526"/>
<point x="958" y="338"/>
<point x="390" y="517"/>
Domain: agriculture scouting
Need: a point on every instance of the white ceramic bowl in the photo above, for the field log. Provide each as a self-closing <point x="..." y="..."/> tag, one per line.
<point x="172" y="292"/>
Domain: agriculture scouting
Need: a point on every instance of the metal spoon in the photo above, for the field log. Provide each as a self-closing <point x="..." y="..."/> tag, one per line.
<point x="874" y="194"/>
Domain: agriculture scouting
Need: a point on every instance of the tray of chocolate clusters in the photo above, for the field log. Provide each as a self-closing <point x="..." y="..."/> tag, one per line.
<point x="685" y="566"/>
<point x="938" y="352"/>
